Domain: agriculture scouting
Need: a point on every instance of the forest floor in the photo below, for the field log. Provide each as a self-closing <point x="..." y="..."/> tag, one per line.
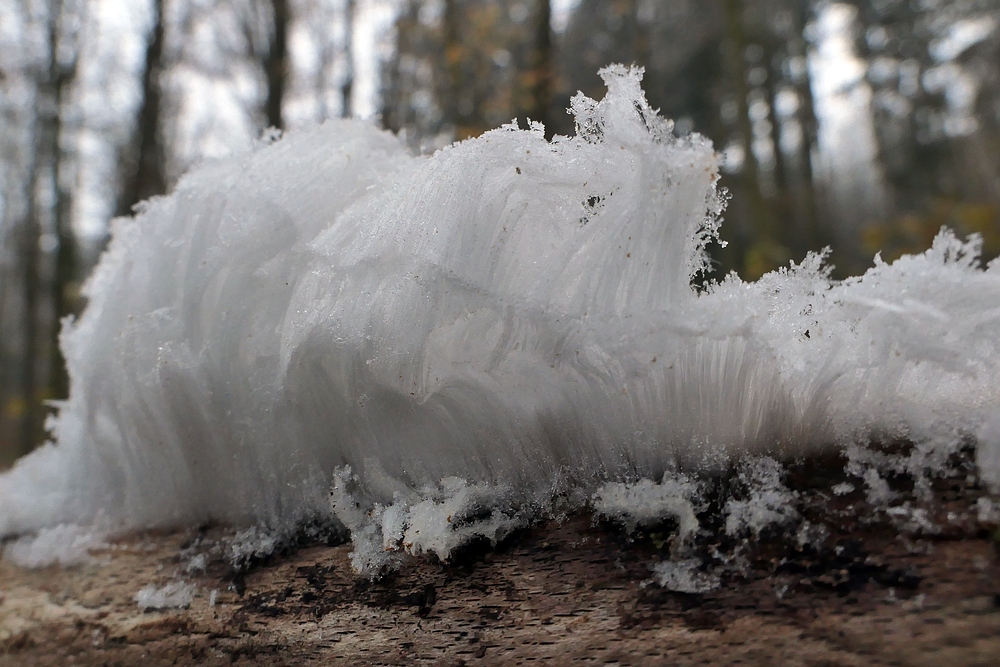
<point x="562" y="592"/>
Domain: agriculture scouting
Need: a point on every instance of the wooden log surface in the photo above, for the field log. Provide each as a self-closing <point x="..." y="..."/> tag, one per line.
<point x="561" y="594"/>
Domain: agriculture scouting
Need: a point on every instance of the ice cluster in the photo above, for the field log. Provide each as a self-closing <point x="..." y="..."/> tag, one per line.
<point x="63" y="544"/>
<point x="445" y="341"/>
<point x="174" y="595"/>
<point x="683" y="576"/>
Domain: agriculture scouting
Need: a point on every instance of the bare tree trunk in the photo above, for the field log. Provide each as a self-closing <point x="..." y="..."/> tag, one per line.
<point x="276" y="63"/>
<point x="771" y="54"/>
<point x="541" y="69"/>
<point x="348" y="84"/>
<point x="147" y="167"/>
<point x="42" y="374"/>
<point x="31" y="262"/>
<point x="64" y="292"/>
<point x="762" y="226"/>
<point x="452" y="65"/>
<point x="810" y="223"/>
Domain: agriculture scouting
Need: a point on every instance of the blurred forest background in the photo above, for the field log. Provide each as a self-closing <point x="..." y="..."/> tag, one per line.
<point x="864" y="125"/>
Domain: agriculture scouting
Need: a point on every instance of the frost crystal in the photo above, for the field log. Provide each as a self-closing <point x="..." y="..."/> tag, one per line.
<point x="842" y="489"/>
<point x="646" y="503"/>
<point x="175" y="595"/>
<point x="436" y="520"/>
<point x="198" y="563"/>
<point x="768" y="502"/>
<point x="988" y="511"/>
<point x="510" y="312"/>
<point x="812" y="535"/>
<point x="63" y="545"/>
<point x="254" y="542"/>
<point x="913" y="520"/>
<point x="684" y="577"/>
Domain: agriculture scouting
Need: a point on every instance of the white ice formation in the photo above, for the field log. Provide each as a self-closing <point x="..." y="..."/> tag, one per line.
<point x="684" y="576"/>
<point x="644" y="503"/>
<point x="65" y="545"/>
<point x="174" y="595"/>
<point x="508" y="314"/>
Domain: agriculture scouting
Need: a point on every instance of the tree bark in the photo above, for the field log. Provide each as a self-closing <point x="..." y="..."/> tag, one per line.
<point x="346" y="87"/>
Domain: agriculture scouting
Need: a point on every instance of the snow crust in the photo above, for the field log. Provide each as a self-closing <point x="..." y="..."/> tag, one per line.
<point x="447" y="343"/>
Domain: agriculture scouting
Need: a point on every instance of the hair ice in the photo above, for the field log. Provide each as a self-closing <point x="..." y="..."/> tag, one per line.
<point x="510" y="313"/>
